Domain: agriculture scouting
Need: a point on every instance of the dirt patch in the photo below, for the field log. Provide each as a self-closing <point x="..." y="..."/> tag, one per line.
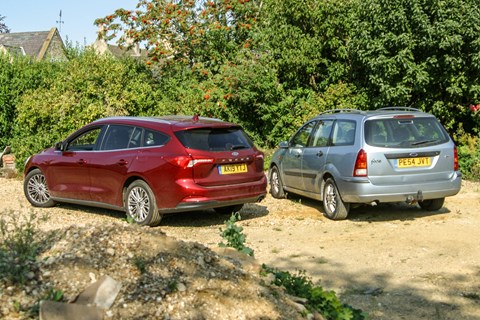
<point x="392" y="261"/>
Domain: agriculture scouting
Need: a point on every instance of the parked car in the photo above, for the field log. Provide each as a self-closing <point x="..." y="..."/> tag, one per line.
<point x="148" y="166"/>
<point x="350" y="157"/>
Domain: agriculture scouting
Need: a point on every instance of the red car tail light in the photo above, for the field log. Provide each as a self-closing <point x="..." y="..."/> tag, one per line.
<point x="360" y="169"/>
<point x="456" y="167"/>
<point x="259" y="156"/>
<point x="188" y="161"/>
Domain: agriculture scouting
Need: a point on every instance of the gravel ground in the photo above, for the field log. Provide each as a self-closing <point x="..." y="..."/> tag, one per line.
<point x="392" y="261"/>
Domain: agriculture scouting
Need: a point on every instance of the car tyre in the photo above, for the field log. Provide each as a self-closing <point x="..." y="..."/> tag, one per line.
<point x="229" y="209"/>
<point x="276" y="185"/>
<point x="140" y="204"/>
<point x="335" y="208"/>
<point x="36" y="189"/>
<point x="432" y="204"/>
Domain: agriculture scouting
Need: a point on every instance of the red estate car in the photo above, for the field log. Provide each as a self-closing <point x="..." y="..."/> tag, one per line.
<point x="148" y="166"/>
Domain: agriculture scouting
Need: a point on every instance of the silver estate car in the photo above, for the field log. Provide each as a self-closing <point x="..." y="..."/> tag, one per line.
<point x="348" y="157"/>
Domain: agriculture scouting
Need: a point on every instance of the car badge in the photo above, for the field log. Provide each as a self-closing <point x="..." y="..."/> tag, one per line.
<point x="235" y="153"/>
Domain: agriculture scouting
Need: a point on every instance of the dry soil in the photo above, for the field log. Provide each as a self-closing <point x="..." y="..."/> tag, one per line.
<point x="392" y="261"/>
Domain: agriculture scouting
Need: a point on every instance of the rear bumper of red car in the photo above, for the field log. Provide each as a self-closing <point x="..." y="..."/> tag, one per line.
<point x="204" y="205"/>
<point x="202" y="198"/>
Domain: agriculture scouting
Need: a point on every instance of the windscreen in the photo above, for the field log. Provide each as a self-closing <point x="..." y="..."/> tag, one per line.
<point x="214" y="139"/>
<point x="404" y="132"/>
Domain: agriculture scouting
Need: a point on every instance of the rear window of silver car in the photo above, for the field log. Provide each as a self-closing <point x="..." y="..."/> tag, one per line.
<point x="404" y="132"/>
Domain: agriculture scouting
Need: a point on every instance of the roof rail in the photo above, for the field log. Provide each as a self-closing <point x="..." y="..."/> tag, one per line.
<point x="341" y="111"/>
<point x="399" y="109"/>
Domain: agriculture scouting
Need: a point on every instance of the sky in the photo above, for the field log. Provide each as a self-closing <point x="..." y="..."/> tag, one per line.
<point x="77" y="16"/>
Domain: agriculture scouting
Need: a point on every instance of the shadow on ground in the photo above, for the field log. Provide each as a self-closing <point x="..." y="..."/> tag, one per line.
<point x="380" y="213"/>
<point x="181" y="219"/>
<point x="446" y="296"/>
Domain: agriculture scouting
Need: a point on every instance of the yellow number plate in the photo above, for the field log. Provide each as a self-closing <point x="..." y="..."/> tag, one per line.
<point x="413" y="162"/>
<point x="232" y="168"/>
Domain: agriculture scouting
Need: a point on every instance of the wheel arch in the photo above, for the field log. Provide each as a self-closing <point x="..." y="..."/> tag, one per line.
<point x="129" y="182"/>
<point x="322" y="180"/>
<point x="31" y="169"/>
<point x="270" y="167"/>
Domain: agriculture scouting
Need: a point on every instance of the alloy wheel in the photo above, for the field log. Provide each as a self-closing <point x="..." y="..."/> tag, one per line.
<point x="37" y="189"/>
<point x="138" y="204"/>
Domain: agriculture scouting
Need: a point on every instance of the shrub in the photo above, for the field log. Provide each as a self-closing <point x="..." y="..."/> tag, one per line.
<point x="90" y="87"/>
<point x="17" y="77"/>
<point x="469" y="156"/>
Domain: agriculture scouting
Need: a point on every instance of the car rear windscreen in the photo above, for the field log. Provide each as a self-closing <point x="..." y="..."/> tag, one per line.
<point x="214" y="139"/>
<point x="404" y="132"/>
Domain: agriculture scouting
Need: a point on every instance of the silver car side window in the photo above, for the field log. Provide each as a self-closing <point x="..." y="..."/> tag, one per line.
<point x="301" y="138"/>
<point x="322" y="133"/>
<point x="344" y="133"/>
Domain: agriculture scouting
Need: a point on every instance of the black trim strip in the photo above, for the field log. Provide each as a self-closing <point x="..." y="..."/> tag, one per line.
<point x="411" y="155"/>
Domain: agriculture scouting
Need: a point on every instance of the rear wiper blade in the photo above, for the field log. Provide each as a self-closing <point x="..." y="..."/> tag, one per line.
<point x="238" y="146"/>
<point x="423" y="142"/>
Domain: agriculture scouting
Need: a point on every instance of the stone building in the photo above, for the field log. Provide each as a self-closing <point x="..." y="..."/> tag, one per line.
<point x="130" y="49"/>
<point x="40" y="45"/>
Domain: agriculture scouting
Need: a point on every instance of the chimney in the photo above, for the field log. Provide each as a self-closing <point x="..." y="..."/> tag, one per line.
<point x="134" y="46"/>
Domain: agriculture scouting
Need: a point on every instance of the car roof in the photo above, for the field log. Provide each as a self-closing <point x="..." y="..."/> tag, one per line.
<point x="175" y="121"/>
<point x="389" y="111"/>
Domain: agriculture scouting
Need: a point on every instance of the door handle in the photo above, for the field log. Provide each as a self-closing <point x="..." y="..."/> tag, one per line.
<point x="122" y="162"/>
<point x="319" y="153"/>
<point x="81" y="162"/>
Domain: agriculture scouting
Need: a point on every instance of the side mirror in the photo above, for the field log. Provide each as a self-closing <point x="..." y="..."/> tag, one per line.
<point x="60" y="146"/>
<point x="283" y="145"/>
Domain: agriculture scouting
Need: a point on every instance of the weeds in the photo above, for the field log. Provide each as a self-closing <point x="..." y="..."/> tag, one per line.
<point x="54" y="295"/>
<point x="325" y="302"/>
<point x="20" y="243"/>
<point x="129" y="219"/>
<point x="172" y="285"/>
<point x="140" y="263"/>
<point x="50" y="295"/>
<point x="234" y="236"/>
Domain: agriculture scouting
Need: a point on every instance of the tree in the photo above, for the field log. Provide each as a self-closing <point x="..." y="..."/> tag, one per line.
<point x="270" y="63"/>
<point x="3" y="26"/>
<point x="201" y="34"/>
<point x="203" y="54"/>
<point x="419" y="53"/>
<point x="307" y="40"/>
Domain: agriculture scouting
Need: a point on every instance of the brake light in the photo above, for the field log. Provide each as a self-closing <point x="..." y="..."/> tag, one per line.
<point x="456" y="167"/>
<point x="187" y="161"/>
<point x="404" y="116"/>
<point x="360" y="169"/>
